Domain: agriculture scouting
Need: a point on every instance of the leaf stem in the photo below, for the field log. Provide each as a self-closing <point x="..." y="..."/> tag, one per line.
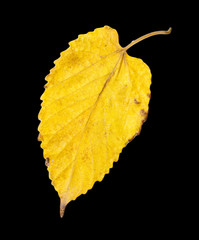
<point x="147" y="36"/>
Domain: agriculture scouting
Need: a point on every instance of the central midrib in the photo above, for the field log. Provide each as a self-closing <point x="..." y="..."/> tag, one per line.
<point x="92" y="110"/>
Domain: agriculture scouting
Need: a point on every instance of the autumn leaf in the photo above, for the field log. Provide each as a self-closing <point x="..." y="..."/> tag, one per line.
<point x="95" y="102"/>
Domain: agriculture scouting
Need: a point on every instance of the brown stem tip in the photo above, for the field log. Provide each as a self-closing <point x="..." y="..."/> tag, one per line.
<point x="62" y="207"/>
<point x="62" y="210"/>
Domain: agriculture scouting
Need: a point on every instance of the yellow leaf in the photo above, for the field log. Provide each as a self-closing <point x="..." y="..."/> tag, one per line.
<point x="95" y="102"/>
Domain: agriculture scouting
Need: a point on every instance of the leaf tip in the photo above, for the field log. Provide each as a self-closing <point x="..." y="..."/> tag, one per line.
<point x="62" y="208"/>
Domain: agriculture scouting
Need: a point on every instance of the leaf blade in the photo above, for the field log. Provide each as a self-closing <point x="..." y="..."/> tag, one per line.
<point x="111" y="119"/>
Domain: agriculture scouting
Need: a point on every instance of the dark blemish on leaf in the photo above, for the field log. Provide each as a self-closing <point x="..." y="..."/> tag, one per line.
<point x="47" y="162"/>
<point x="131" y="139"/>
<point x="144" y="115"/>
<point x="136" y="101"/>
<point x="149" y="95"/>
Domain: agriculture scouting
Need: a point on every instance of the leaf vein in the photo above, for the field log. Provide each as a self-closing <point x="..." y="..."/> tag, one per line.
<point x="64" y="108"/>
<point x="86" y="68"/>
<point x="108" y="79"/>
<point x="85" y="85"/>
<point x="69" y="123"/>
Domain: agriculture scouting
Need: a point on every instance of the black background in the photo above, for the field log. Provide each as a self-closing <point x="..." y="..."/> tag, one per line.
<point x="141" y="193"/>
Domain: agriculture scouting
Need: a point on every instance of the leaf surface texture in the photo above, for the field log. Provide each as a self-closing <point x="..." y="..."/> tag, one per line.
<point x="96" y="100"/>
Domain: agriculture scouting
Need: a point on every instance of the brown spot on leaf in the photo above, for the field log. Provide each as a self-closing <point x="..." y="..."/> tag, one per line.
<point x="149" y="95"/>
<point x="144" y="115"/>
<point x="131" y="139"/>
<point x="47" y="162"/>
<point x="136" y="101"/>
